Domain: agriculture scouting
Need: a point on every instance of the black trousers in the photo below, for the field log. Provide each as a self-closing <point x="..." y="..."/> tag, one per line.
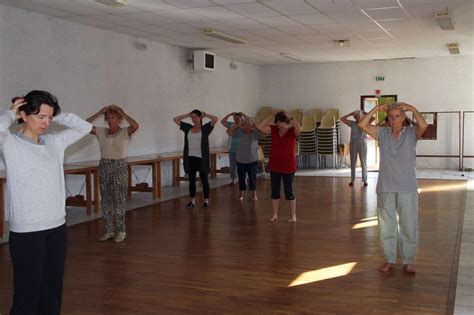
<point x="276" y="179"/>
<point x="195" y="165"/>
<point x="38" y="260"/>
<point x="249" y="169"/>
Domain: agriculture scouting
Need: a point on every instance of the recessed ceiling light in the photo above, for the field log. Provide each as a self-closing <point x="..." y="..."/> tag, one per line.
<point x="341" y="43"/>
<point x="445" y="20"/>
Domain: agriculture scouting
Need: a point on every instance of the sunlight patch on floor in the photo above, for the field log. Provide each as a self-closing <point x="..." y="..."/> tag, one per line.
<point x="367" y="224"/>
<point x="447" y="187"/>
<point x="323" y="274"/>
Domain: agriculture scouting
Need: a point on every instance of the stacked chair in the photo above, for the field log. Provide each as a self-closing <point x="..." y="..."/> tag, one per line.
<point x="317" y="114"/>
<point x="307" y="141"/>
<point x="328" y="139"/>
<point x="334" y="112"/>
<point x="296" y="114"/>
<point x="265" y="142"/>
<point x="320" y="137"/>
<point x="263" y="161"/>
<point x="262" y="113"/>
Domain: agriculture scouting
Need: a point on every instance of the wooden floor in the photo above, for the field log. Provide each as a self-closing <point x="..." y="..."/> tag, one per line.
<point x="230" y="260"/>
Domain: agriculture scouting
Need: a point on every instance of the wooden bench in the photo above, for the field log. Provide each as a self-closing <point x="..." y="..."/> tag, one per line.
<point x="90" y="170"/>
<point x="92" y="181"/>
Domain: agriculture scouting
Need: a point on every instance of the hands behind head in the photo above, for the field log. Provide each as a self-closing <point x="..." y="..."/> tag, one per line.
<point x="383" y="108"/>
<point x="114" y="108"/>
<point x="276" y="111"/>
<point x="406" y="107"/>
<point x="20" y="101"/>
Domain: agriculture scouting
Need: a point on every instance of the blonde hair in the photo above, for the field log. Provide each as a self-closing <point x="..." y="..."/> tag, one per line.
<point x="112" y="109"/>
<point x="394" y="106"/>
<point x="248" y="120"/>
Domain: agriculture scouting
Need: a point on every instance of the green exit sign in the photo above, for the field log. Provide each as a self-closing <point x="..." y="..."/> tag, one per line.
<point x="379" y="78"/>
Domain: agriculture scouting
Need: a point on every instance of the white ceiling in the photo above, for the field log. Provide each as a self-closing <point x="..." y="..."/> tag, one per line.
<point x="377" y="29"/>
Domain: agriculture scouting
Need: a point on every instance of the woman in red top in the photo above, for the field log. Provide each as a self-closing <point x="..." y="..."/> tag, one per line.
<point x="282" y="163"/>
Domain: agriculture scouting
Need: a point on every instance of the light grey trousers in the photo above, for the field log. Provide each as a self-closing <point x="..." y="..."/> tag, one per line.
<point x="113" y="180"/>
<point x="398" y="219"/>
<point x="358" y="148"/>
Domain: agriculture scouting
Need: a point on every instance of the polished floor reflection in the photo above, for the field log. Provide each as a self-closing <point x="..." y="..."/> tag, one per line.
<point x="230" y="259"/>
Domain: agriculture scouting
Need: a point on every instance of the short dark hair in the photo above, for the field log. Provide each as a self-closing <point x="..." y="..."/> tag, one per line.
<point x="281" y="117"/>
<point x="35" y="99"/>
<point x="197" y="112"/>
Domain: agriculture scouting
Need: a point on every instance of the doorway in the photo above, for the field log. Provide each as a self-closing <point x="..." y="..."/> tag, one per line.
<point x="367" y="103"/>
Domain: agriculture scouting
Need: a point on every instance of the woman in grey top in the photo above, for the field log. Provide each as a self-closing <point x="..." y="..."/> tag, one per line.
<point x="247" y="155"/>
<point x="358" y="145"/>
<point x="397" y="186"/>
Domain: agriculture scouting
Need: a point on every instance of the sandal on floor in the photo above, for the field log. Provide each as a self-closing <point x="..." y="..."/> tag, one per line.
<point x="409" y="269"/>
<point x="387" y="267"/>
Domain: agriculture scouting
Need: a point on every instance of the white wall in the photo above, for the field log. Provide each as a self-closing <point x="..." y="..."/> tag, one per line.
<point x="87" y="68"/>
<point x="431" y="84"/>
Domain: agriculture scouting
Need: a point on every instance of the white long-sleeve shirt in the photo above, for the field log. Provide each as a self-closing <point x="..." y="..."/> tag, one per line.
<point x="35" y="175"/>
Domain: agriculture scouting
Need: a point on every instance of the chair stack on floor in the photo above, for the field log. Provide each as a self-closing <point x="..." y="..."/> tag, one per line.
<point x="265" y="142"/>
<point x="317" y="115"/>
<point x="328" y="139"/>
<point x="262" y="113"/>
<point x="320" y="136"/>
<point x="296" y="114"/>
<point x="307" y="141"/>
<point x="263" y="161"/>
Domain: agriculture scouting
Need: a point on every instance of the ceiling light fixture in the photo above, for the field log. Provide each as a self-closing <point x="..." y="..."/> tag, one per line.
<point x="113" y="3"/>
<point x="222" y="36"/>
<point x="453" y="48"/>
<point x="341" y="43"/>
<point x="445" y="20"/>
<point x="290" y="56"/>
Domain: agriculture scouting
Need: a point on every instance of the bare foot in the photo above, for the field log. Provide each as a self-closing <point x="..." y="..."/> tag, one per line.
<point x="409" y="269"/>
<point x="386" y="267"/>
<point x="255" y="198"/>
<point x="241" y="198"/>
<point x="292" y="220"/>
<point x="273" y="219"/>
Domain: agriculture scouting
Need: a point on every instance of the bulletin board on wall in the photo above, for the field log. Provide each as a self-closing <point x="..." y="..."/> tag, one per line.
<point x="431" y="119"/>
<point x="368" y="102"/>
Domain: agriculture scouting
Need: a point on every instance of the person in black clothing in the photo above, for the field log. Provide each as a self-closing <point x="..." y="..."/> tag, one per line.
<point x="196" y="152"/>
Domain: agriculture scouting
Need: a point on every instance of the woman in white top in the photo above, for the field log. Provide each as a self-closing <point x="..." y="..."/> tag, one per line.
<point x="196" y="152"/>
<point x="36" y="199"/>
<point x="113" y="170"/>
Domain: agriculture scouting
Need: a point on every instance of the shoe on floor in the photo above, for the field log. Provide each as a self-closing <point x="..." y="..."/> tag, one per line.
<point x="190" y="205"/>
<point x="366" y="184"/>
<point x="106" y="237"/>
<point x="351" y="184"/>
<point x="121" y="236"/>
<point x="205" y="205"/>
